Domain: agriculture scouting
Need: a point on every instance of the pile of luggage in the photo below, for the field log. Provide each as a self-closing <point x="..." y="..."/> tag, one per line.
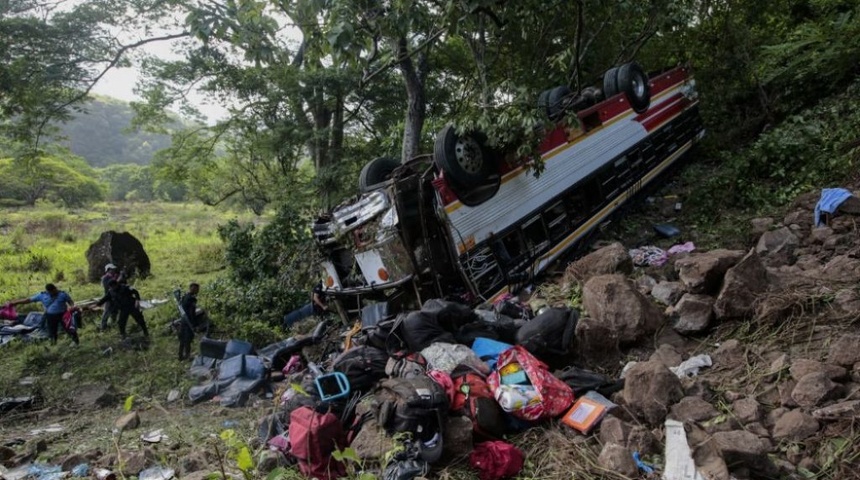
<point x="408" y="375"/>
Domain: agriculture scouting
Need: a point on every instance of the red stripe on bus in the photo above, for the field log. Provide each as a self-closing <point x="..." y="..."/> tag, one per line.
<point x="667" y="80"/>
<point x="655" y="121"/>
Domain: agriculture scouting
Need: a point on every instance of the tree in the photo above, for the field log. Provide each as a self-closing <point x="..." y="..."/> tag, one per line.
<point x="61" y="177"/>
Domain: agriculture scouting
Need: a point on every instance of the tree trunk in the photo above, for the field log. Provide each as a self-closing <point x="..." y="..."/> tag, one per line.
<point x="416" y="110"/>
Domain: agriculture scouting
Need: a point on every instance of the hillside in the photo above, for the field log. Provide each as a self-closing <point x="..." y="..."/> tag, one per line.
<point x="99" y="134"/>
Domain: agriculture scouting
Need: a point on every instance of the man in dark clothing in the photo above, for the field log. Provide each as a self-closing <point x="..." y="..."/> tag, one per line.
<point x="56" y="302"/>
<point x="127" y="300"/>
<point x="111" y="273"/>
<point x="189" y="320"/>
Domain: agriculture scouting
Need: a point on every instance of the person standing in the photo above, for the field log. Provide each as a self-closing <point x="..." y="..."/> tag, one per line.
<point x="110" y="311"/>
<point x="189" y="320"/>
<point x="127" y="301"/>
<point x="56" y="302"/>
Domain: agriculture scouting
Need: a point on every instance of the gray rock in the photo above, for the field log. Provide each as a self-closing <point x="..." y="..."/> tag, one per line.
<point x="747" y="410"/>
<point x="72" y="461"/>
<point x="847" y="301"/>
<point x="193" y="462"/>
<point x="613" y="301"/>
<point x="785" y="390"/>
<point x="650" y="389"/>
<point x="610" y="259"/>
<point x="778" y="366"/>
<point x="730" y="354"/>
<point x="760" y="225"/>
<point x="270" y="460"/>
<point x="703" y="272"/>
<point x="173" y="395"/>
<point x="6" y="454"/>
<point x="667" y="355"/>
<point x="747" y="449"/>
<point x="842" y="269"/>
<point x="94" y="396"/>
<point x="371" y="442"/>
<point x="845" y="350"/>
<point x="668" y="293"/>
<point x="778" y="243"/>
<point x="814" y="389"/>
<point x="849" y="409"/>
<point x="692" y="409"/>
<point x="742" y="286"/>
<point x="757" y="428"/>
<point x="821" y="234"/>
<point x="614" y="430"/>
<point x="645" y="284"/>
<point x="802" y="367"/>
<point x="618" y="459"/>
<point x="795" y="426"/>
<point x="136" y="462"/>
<point x="129" y="421"/>
<point x="694" y="312"/>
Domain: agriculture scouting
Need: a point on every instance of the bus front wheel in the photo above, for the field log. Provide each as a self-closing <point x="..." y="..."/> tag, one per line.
<point x="464" y="158"/>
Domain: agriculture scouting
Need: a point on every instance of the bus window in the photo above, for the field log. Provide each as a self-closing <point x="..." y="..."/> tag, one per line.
<point x="608" y="183"/>
<point x="513" y="246"/>
<point x="535" y="234"/>
<point x="556" y="221"/>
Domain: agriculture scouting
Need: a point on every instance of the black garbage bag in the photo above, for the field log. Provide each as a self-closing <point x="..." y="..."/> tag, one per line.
<point x="581" y="381"/>
<point x="550" y="333"/>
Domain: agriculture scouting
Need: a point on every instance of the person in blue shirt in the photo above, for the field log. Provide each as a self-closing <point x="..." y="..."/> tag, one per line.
<point x="56" y="302"/>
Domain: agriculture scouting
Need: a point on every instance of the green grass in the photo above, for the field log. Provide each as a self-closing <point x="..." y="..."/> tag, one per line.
<point x="48" y="244"/>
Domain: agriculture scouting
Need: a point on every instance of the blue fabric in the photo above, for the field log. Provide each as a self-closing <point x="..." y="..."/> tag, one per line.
<point x="298" y="315"/>
<point x="830" y="200"/>
<point x="53" y="304"/>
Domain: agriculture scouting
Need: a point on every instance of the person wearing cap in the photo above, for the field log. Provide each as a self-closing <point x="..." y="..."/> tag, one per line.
<point x="127" y="301"/>
<point x="111" y="273"/>
<point x="56" y="302"/>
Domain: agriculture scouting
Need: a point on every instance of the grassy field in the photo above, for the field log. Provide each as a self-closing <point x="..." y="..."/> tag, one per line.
<point x="47" y="244"/>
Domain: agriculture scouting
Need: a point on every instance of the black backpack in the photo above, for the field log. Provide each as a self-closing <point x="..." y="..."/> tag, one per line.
<point x="416" y="405"/>
<point x="363" y="366"/>
<point x="550" y="333"/>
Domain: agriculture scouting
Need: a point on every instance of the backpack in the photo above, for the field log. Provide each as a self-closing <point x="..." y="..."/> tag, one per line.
<point x="363" y="366"/>
<point x="474" y="399"/>
<point x="550" y="333"/>
<point x="415" y="405"/>
<point x="551" y="396"/>
<point x="313" y="438"/>
<point x="408" y="366"/>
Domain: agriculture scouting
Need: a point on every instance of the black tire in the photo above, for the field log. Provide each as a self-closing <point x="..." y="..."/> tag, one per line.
<point x="633" y="81"/>
<point x="556" y="107"/>
<point x="375" y="173"/>
<point x="610" y="83"/>
<point x="464" y="159"/>
<point x="543" y="102"/>
<point x="474" y="196"/>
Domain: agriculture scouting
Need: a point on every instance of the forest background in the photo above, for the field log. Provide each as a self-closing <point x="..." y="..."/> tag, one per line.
<point x="314" y="89"/>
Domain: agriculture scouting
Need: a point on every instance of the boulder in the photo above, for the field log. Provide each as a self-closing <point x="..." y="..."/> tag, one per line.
<point x="129" y="421"/>
<point x="694" y="312"/>
<point x="814" y="389"/>
<point x="841" y="269"/>
<point x="849" y="409"/>
<point x="645" y="284"/>
<point x="618" y="459"/>
<point x="739" y="447"/>
<point x="614" y="430"/>
<point x="820" y="235"/>
<point x="610" y="259"/>
<point x="760" y="225"/>
<point x="269" y="460"/>
<point x="650" y="389"/>
<point x="778" y="244"/>
<point x="643" y="441"/>
<point x="845" y="350"/>
<point x="667" y="355"/>
<point x="703" y="272"/>
<point x="119" y="248"/>
<point x="794" y="426"/>
<point x="747" y="410"/>
<point x="785" y="390"/>
<point x="802" y="367"/>
<point x="371" y="442"/>
<point x="613" y="301"/>
<point x="692" y="409"/>
<point x="730" y="354"/>
<point x="458" y="438"/>
<point x="742" y="286"/>
<point x="94" y="395"/>
<point x="668" y="293"/>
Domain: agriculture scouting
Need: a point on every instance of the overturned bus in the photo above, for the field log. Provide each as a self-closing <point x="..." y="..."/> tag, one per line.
<point x="468" y="223"/>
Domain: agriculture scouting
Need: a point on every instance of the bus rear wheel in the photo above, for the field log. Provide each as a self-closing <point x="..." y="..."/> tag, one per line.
<point x="464" y="158"/>
<point x="375" y="173"/>
<point x="633" y="81"/>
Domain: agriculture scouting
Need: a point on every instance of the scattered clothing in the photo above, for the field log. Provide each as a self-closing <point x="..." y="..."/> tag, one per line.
<point x="829" y="202"/>
<point x="496" y="460"/>
<point x="649" y="256"/>
<point x="681" y="248"/>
